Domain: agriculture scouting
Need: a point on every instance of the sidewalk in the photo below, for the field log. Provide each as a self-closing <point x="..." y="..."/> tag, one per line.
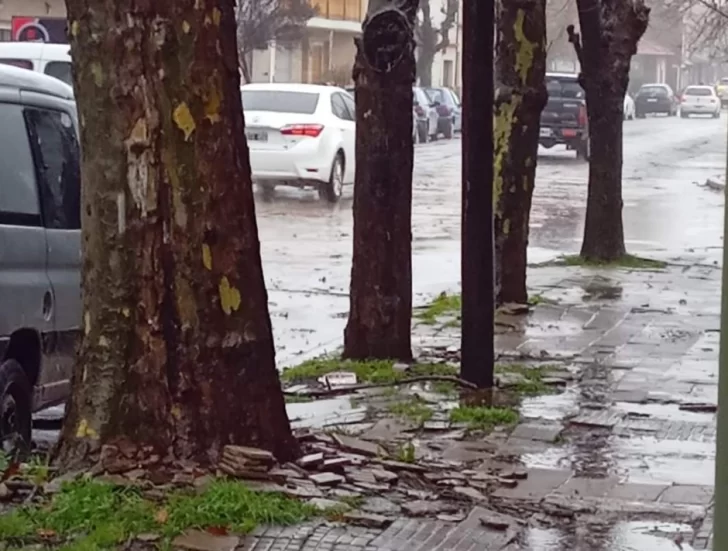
<point x="622" y="459"/>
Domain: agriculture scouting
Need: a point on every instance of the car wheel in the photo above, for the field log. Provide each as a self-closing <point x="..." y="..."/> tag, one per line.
<point x="422" y="131"/>
<point x="683" y="115"/>
<point x="640" y="115"/>
<point x="716" y="115"/>
<point x="16" y="398"/>
<point x="448" y="129"/>
<point x="268" y="190"/>
<point x="334" y="188"/>
<point x="583" y="150"/>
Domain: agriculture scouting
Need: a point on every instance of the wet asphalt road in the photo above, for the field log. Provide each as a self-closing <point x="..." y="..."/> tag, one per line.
<point x="306" y="244"/>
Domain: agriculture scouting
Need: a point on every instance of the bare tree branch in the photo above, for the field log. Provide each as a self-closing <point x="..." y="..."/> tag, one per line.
<point x="262" y="21"/>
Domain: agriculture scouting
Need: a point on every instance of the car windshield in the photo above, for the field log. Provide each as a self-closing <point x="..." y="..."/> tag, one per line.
<point x="563" y="87"/>
<point x="698" y="92"/>
<point x="654" y="90"/>
<point x="436" y="94"/>
<point x="279" y="101"/>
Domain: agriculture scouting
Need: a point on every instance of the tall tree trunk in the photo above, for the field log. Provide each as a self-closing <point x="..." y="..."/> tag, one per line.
<point x="177" y="358"/>
<point x="610" y="33"/>
<point x="425" y="59"/>
<point x="478" y="356"/>
<point x="245" y="68"/>
<point x="520" y="98"/>
<point x="380" y="313"/>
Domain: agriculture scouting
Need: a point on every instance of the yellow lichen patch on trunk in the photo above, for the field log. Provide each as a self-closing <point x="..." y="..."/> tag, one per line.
<point x="502" y="127"/>
<point x="185" y="27"/>
<point x="524" y="47"/>
<point x="206" y="256"/>
<point x="183" y="119"/>
<point x="229" y="296"/>
<point x="75" y="28"/>
<point x="85" y="431"/>
<point x="216" y="16"/>
<point x="98" y="74"/>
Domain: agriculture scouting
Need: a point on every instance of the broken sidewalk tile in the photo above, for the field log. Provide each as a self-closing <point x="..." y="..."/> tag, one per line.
<point x="539" y="484"/>
<point x="196" y="540"/>
<point x="541" y="432"/>
<point x="422" y="508"/>
<point x="337" y="379"/>
<point x="367" y="520"/>
<point x="311" y="460"/>
<point x="380" y="506"/>
<point x="687" y="495"/>
<point x="327" y="479"/>
<point x="357" y="445"/>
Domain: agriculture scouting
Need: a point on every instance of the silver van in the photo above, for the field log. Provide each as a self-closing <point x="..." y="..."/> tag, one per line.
<point x="40" y="246"/>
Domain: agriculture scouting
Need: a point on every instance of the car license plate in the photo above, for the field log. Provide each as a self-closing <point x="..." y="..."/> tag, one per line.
<point x="545" y="133"/>
<point x="652" y="100"/>
<point x="256" y="136"/>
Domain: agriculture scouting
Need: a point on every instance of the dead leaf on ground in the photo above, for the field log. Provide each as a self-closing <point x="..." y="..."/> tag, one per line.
<point x="162" y="516"/>
<point x="46" y="534"/>
<point x="217" y="530"/>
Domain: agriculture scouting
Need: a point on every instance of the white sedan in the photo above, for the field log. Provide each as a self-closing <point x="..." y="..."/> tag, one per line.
<point x="300" y="135"/>
<point x="699" y="100"/>
<point x="628" y="109"/>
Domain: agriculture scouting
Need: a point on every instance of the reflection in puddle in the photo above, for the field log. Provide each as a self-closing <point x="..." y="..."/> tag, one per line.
<point x="624" y="536"/>
<point x="324" y="413"/>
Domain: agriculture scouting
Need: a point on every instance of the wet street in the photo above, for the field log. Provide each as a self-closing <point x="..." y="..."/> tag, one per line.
<point x="306" y="244"/>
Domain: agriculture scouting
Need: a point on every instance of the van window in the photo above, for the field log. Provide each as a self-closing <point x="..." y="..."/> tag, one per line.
<point x="61" y="70"/>
<point x="22" y="63"/>
<point x="18" y="192"/>
<point x="56" y="153"/>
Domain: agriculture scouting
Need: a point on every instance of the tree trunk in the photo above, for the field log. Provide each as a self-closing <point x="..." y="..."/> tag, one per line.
<point x="478" y="356"/>
<point x="244" y="68"/>
<point x="177" y="358"/>
<point x="425" y="59"/>
<point x="520" y="98"/>
<point x="380" y="314"/>
<point x="610" y="33"/>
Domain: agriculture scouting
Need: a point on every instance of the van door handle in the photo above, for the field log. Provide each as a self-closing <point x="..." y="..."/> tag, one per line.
<point x="47" y="305"/>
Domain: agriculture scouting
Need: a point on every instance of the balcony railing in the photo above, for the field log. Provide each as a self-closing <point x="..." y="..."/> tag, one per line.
<point x="343" y="10"/>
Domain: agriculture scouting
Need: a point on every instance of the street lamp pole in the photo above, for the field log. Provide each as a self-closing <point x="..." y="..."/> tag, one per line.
<point x="720" y="522"/>
<point x="478" y="355"/>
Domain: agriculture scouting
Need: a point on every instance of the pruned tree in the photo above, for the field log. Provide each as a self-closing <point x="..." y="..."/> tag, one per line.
<point x="520" y="97"/>
<point x="706" y="31"/>
<point x="380" y="314"/>
<point x="433" y="36"/>
<point x="262" y="22"/>
<point x="177" y="358"/>
<point x="610" y="32"/>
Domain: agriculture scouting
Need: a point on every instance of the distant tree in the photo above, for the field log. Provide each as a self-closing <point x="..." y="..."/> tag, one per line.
<point x="610" y="32"/>
<point x="262" y="21"/>
<point x="433" y="37"/>
<point x="706" y="27"/>
<point x="380" y="313"/>
<point x="520" y="97"/>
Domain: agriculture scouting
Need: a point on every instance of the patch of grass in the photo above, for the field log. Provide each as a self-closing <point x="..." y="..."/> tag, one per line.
<point x="406" y="453"/>
<point x="367" y="371"/>
<point x="532" y="383"/>
<point x="627" y="261"/>
<point x="535" y="300"/>
<point x="302" y="399"/>
<point x="482" y="417"/>
<point x="442" y="305"/>
<point x="92" y="515"/>
<point x="353" y="502"/>
<point x="414" y="409"/>
<point x="442" y="387"/>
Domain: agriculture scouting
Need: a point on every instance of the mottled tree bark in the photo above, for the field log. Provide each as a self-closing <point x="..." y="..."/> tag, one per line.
<point x="380" y="313"/>
<point x="477" y="254"/>
<point x="520" y="98"/>
<point x="178" y="356"/>
<point x="611" y="30"/>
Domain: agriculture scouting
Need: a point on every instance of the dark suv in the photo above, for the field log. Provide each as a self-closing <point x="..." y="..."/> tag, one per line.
<point x="655" y="98"/>
<point x="564" y="119"/>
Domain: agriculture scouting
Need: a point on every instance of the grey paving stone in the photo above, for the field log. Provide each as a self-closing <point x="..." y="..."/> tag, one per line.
<point x="539" y="484"/>
<point x="636" y="492"/>
<point x="587" y="487"/>
<point x="688" y="495"/>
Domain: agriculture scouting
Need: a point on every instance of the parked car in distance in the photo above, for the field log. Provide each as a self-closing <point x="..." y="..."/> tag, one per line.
<point x="50" y="59"/>
<point x="699" y="100"/>
<point x="564" y="118"/>
<point x="40" y="247"/>
<point x="427" y="116"/>
<point x="721" y="88"/>
<point x="449" y="110"/>
<point x="628" y="109"/>
<point x="655" y="99"/>
<point x="300" y="135"/>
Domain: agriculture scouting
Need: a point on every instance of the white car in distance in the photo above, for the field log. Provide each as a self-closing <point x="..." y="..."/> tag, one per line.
<point x="699" y="100"/>
<point x="300" y="135"/>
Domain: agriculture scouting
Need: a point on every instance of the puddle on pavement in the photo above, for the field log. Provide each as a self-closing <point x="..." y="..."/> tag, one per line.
<point x="551" y="407"/>
<point x="623" y="536"/>
<point x="325" y="413"/>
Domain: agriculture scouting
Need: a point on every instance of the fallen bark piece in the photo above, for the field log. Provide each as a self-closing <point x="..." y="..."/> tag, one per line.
<point x="356" y="445"/>
<point x="367" y="520"/>
<point x="699" y="407"/>
<point x="196" y="540"/>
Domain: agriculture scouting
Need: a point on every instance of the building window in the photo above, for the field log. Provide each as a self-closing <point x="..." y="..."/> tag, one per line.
<point x="6" y="35"/>
<point x="448" y="70"/>
<point x="347" y="10"/>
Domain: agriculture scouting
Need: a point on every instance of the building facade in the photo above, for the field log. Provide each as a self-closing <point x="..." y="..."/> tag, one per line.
<point x="31" y="8"/>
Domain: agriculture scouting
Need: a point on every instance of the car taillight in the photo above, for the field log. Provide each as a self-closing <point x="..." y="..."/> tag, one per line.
<point x="310" y="130"/>
<point x="420" y="112"/>
<point x="582" y="118"/>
